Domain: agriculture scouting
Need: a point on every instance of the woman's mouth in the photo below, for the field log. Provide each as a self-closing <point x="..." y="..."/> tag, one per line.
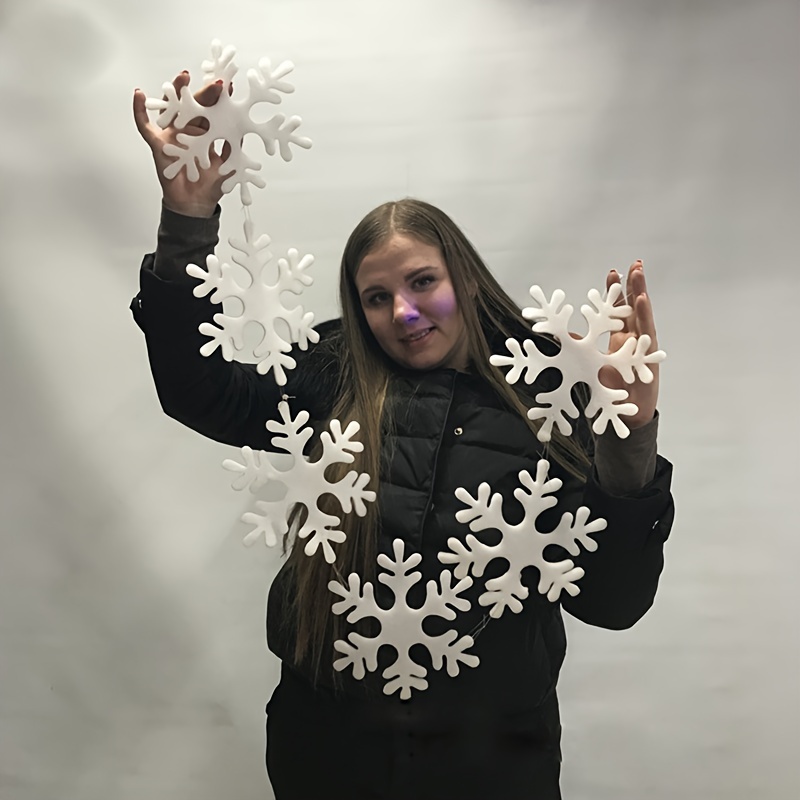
<point x="417" y="336"/>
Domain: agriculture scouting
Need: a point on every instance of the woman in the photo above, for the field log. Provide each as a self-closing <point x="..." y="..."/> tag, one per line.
<point x="409" y="360"/>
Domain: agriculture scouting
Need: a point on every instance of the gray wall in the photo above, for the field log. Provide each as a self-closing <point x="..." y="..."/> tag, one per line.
<point x="567" y="138"/>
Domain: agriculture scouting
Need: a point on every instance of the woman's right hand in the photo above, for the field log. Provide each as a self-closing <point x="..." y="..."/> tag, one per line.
<point x="191" y="198"/>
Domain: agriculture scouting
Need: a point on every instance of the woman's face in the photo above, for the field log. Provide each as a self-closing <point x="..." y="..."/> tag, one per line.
<point x="410" y="304"/>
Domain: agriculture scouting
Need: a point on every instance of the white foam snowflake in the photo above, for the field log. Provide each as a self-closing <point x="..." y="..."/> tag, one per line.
<point x="260" y="302"/>
<point x="229" y="119"/>
<point x="304" y="481"/>
<point x="522" y="545"/>
<point x="580" y="360"/>
<point x="401" y="625"/>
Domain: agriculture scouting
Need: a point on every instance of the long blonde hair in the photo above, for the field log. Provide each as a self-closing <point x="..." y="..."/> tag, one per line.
<point x="365" y="373"/>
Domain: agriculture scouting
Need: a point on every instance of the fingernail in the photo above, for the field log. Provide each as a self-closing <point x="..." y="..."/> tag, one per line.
<point x="219" y="82"/>
<point x="184" y="72"/>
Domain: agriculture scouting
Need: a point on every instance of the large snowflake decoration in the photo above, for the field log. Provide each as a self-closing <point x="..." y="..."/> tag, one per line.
<point x="580" y="360"/>
<point x="261" y="303"/>
<point x="229" y="119"/>
<point x="401" y="625"/>
<point x="304" y="482"/>
<point x="521" y="545"/>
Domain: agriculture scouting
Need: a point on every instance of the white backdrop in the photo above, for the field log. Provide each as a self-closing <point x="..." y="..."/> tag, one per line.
<point x="566" y="138"/>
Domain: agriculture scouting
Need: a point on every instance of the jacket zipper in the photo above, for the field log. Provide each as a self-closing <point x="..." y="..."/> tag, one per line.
<point x="429" y="502"/>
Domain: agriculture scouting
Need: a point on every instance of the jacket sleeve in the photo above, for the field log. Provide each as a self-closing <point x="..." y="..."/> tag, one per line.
<point x="621" y="576"/>
<point x="225" y="401"/>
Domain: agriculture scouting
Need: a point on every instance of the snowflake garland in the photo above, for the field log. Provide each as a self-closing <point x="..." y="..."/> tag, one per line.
<point x="229" y="120"/>
<point x="401" y="625"/>
<point x="521" y="545"/>
<point x="580" y="361"/>
<point x="261" y="304"/>
<point x="305" y="483"/>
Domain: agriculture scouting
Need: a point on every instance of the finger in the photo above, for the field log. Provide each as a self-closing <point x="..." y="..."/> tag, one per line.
<point x="209" y="94"/>
<point x="645" y="320"/>
<point x="612" y="278"/>
<point x="636" y="282"/>
<point x="197" y="126"/>
<point x="215" y="157"/>
<point x="141" y="118"/>
<point x="634" y="285"/>
<point x="225" y="152"/>
<point x="181" y="79"/>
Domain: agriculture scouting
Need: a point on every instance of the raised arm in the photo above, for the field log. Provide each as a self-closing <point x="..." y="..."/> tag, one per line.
<point x="228" y="402"/>
<point x="629" y="486"/>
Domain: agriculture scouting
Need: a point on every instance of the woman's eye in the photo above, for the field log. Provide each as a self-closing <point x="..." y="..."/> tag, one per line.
<point x="424" y="281"/>
<point x="376" y="299"/>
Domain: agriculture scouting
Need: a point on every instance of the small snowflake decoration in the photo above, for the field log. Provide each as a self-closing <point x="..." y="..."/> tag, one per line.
<point x="229" y="119"/>
<point x="401" y="625"/>
<point x="261" y="303"/>
<point x="580" y="360"/>
<point x="305" y="482"/>
<point x="521" y="545"/>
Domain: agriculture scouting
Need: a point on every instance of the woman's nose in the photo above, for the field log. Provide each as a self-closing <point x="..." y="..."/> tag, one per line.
<point x="404" y="311"/>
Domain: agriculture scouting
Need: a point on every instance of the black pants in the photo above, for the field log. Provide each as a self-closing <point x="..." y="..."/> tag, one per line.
<point x="322" y="747"/>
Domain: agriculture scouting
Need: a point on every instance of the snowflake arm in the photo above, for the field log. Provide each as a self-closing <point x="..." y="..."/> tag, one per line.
<point x="504" y="592"/>
<point x="573" y="533"/>
<point x="340" y="443"/>
<point x="359" y="652"/>
<point x="351" y="491"/>
<point x="294" y="435"/>
<point x="482" y="512"/>
<point x="443" y="600"/>
<point x="549" y="315"/>
<point x="359" y="602"/>
<point x="270" y="523"/>
<point x="556" y="409"/>
<point x="632" y="360"/>
<point x="559" y="576"/>
<point x="449" y="650"/>
<point x="404" y="675"/>
<point x="293" y="272"/>
<point x="255" y="473"/>
<point x="216" y="278"/>
<point x="221" y="66"/>
<point x="526" y="361"/>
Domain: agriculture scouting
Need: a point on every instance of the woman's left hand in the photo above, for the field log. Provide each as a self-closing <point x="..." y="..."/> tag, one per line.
<point x="644" y="395"/>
